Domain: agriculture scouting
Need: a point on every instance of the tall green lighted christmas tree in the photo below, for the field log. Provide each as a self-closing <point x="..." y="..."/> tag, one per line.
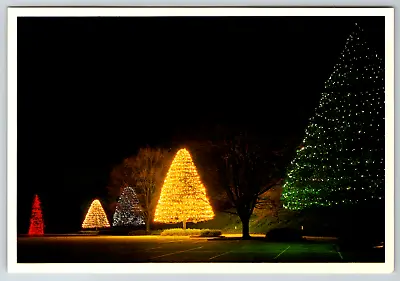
<point x="341" y="160"/>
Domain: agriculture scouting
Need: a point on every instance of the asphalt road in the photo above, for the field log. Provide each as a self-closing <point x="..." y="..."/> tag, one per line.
<point x="126" y="249"/>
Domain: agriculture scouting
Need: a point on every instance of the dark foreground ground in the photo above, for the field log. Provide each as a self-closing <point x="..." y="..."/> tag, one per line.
<point x="125" y="249"/>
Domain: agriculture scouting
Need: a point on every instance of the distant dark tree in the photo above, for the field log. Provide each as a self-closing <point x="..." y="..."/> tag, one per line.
<point x="247" y="171"/>
<point x="269" y="203"/>
<point x="121" y="176"/>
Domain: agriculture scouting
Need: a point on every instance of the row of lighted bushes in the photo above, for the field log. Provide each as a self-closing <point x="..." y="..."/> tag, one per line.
<point x="191" y="232"/>
<point x="166" y="232"/>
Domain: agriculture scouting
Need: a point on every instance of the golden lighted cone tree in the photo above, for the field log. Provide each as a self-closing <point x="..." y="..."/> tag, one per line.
<point x="183" y="196"/>
<point x="95" y="217"/>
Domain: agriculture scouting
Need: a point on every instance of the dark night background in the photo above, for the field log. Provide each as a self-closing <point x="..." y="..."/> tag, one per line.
<point x="91" y="91"/>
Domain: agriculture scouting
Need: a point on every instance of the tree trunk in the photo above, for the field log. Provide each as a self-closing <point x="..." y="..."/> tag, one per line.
<point x="148" y="222"/>
<point x="245" y="227"/>
<point x="184" y="224"/>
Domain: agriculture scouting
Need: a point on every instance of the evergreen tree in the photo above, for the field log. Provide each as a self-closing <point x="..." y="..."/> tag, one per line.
<point x="36" y="226"/>
<point x="183" y="196"/>
<point x="128" y="212"/>
<point x="341" y="160"/>
<point x="95" y="217"/>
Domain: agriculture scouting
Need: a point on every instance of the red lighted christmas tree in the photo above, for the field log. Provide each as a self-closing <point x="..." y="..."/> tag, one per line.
<point x="36" y="226"/>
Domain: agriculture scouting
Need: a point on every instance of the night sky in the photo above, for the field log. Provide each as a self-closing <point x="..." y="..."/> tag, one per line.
<point x="91" y="91"/>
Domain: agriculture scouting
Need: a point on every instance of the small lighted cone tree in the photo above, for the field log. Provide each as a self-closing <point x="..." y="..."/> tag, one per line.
<point x="36" y="226"/>
<point x="128" y="212"/>
<point x="95" y="217"/>
<point x="183" y="196"/>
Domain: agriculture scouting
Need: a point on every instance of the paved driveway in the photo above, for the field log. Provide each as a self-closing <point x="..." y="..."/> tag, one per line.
<point x="125" y="249"/>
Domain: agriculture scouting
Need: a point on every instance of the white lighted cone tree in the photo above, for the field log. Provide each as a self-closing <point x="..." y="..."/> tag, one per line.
<point x="95" y="217"/>
<point x="128" y="212"/>
<point x="183" y="196"/>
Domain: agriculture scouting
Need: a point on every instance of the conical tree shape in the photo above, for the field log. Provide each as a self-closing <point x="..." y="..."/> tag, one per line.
<point x="183" y="196"/>
<point x="341" y="161"/>
<point x="95" y="217"/>
<point x="128" y="212"/>
<point x="36" y="226"/>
